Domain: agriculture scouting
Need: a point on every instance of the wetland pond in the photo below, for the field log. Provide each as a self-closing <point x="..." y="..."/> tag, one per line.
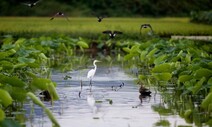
<point x="115" y="106"/>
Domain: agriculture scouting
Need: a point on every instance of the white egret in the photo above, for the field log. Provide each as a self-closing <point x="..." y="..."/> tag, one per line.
<point x="92" y="72"/>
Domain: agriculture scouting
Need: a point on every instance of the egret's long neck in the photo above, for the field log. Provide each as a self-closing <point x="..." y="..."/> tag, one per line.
<point x="94" y="65"/>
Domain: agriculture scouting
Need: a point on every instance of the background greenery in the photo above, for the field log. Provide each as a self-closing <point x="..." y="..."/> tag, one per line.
<point x="118" y="8"/>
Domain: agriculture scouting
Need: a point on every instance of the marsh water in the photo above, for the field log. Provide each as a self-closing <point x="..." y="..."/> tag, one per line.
<point x="114" y="106"/>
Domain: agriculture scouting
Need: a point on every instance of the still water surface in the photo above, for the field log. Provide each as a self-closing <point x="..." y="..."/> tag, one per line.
<point x="120" y="108"/>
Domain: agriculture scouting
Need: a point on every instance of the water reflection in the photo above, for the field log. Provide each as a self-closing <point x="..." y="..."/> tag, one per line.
<point x="114" y="101"/>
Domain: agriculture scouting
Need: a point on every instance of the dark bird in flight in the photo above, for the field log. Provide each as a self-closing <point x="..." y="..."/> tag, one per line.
<point x="59" y="14"/>
<point x="146" y="26"/>
<point x="100" y="18"/>
<point x="32" y="4"/>
<point x="111" y="34"/>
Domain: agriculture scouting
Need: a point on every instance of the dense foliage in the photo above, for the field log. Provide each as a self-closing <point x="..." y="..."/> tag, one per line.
<point x="202" y="17"/>
<point x="25" y="69"/>
<point x="107" y="7"/>
<point x="181" y="66"/>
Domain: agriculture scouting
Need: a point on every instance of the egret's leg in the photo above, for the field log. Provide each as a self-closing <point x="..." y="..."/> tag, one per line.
<point x="90" y="84"/>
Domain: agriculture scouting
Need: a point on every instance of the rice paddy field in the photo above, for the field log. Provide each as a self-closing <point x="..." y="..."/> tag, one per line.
<point x="90" y="27"/>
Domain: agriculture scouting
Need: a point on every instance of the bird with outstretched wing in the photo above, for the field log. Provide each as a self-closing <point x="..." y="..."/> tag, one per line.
<point x="59" y="14"/>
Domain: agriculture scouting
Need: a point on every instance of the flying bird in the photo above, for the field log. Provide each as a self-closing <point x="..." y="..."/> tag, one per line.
<point x="100" y="18"/>
<point x="92" y="72"/>
<point x="32" y="4"/>
<point x="112" y="34"/>
<point x="59" y="14"/>
<point x="146" y="26"/>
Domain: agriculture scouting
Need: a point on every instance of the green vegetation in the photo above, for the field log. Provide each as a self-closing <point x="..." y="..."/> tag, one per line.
<point x="181" y="66"/>
<point x="25" y="68"/>
<point x="90" y="28"/>
<point x="202" y="17"/>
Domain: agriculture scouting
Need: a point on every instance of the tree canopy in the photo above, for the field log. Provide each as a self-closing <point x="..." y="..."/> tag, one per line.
<point x="115" y="8"/>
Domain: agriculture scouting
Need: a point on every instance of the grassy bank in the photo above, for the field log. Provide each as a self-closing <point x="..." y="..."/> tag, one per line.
<point x="89" y="27"/>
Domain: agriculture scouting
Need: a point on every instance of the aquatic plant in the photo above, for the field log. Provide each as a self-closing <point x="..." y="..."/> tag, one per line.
<point x="184" y="65"/>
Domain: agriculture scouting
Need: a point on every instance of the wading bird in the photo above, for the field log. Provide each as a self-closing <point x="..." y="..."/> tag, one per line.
<point x="31" y="4"/>
<point x="59" y="14"/>
<point x="146" y="26"/>
<point x="111" y="34"/>
<point x="92" y="72"/>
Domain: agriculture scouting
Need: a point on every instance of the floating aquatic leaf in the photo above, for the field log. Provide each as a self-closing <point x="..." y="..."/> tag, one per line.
<point x="5" y="98"/>
<point x="162" y="123"/>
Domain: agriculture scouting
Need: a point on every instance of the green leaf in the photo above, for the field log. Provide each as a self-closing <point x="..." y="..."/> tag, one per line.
<point x="184" y="78"/>
<point x="166" y="67"/>
<point x="82" y="44"/>
<point x="51" y="117"/>
<point x="41" y="83"/>
<point x="6" y="64"/>
<point x="188" y="113"/>
<point x="160" y="59"/>
<point x="17" y="93"/>
<point x="35" y="99"/>
<point x="162" y="76"/>
<point x="143" y="55"/>
<point x="203" y="72"/>
<point x="5" y="98"/>
<point x="26" y="60"/>
<point x="9" y="123"/>
<point x="198" y="86"/>
<point x="207" y="101"/>
<point x="129" y="56"/>
<point x="13" y="81"/>
<point x="2" y="115"/>
<point x="52" y="91"/>
<point x="126" y="49"/>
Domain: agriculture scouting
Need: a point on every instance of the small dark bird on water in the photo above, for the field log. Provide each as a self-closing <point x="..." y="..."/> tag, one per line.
<point x="31" y="4"/>
<point x="112" y="34"/>
<point x="144" y="91"/>
<point x="146" y="26"/>
<point x="59" y="14"/>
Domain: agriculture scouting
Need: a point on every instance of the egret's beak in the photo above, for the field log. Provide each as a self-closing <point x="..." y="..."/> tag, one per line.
<point x="98" y="61"/>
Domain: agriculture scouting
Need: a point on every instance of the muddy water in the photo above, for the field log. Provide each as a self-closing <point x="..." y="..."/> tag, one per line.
<point x="114" y="107"/>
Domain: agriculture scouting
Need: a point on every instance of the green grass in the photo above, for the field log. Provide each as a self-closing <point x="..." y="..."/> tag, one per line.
<point x="89" y="27"/>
